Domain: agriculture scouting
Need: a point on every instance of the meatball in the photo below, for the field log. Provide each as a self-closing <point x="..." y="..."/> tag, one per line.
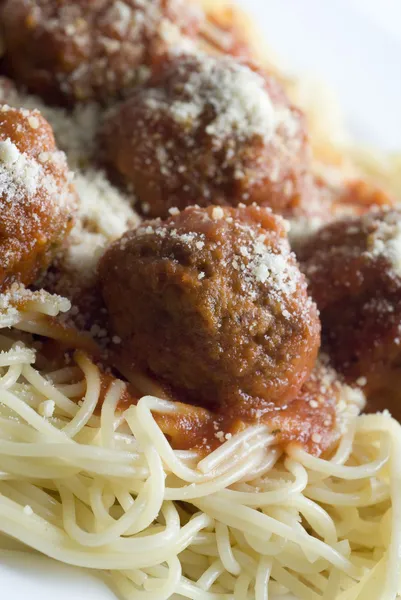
<point x="36" y="195"/>
<point x="79" y="50"/>
<point x="209" y="130"/>
<point x="212" y="302"/>
<point x="354" y="271"/>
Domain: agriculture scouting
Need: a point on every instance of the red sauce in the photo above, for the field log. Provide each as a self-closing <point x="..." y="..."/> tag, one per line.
<point x="309" y="420"/>
<point x="354" y="197"/>
<point x="363" y="195"/>
<point x="128" y="396"/>
<point x="201" y="429"/>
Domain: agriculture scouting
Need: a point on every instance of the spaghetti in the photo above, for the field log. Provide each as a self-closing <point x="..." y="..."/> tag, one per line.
<point x="105" y="491"/>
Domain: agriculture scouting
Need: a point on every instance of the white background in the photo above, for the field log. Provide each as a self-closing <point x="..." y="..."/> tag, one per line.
<point x="355" y="45"/>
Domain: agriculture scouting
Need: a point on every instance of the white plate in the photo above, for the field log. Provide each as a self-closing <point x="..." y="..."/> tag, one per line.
<point x="354" y="45"/>
<point x="25" y="576"/>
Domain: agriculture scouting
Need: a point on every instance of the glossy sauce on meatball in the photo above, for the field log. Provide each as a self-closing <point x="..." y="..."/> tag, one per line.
<point x="212" y="302"/>
<point x="209" y="130"/>
<point x="36" y="196"/>
<point x="354" y="271"/>
<point x="79" y="50"/>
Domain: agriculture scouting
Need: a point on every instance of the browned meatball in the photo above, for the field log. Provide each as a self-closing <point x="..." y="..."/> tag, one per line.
<point x="209" y="130"/>
<point x="354" y="272"/>
<point x="36" y="195"/>
<point x="79" y="50"/>
<point x="212" y="302"/>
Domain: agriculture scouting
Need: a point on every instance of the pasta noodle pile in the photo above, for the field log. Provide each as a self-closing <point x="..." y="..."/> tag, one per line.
<point x="89" y="485"/>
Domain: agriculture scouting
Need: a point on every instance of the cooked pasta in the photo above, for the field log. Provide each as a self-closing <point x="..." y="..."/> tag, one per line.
<point x="101" y="488"/>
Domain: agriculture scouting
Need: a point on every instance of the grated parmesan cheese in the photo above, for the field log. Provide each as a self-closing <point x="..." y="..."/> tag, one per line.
<point x="104" y="214"/>
<point x="46" y="408"/>
<point x="275" y="267"/>
<point x="217" y="213"/>
<point x="103" y="208"/>
<point x="236" y="95"/>
<point x="33" y="122"/>
<point x="9" y="153"/>
<point x="385" y="241"/>
<point x="20" y="176"/>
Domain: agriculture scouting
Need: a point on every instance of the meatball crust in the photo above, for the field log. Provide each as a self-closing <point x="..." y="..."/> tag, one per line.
<point x="212" y="302"/>
<point x="79" y="50"/>
<point x="209" y="130"/>
<point x="354" y="271"/>
<point x="36" y="195"/>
